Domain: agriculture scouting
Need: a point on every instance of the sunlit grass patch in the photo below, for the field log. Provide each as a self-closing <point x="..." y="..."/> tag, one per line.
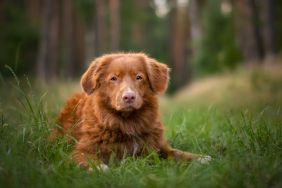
<point x="241" y="89"/>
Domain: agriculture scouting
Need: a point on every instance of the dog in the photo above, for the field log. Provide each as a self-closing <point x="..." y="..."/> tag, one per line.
<point x="117" y="112"/>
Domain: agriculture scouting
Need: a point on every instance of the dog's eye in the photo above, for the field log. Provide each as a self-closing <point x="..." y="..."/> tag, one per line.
<point x="114" y="78"/>
<point x="138" y="77"/>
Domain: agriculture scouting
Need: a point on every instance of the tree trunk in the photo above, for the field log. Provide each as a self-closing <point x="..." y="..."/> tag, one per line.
<point x="33" y="10"/>
<point x="2" y="13"/>
<point x="247" y="32"/>
<point x="179" y="46"/>
<point x="79" y="35"/>
<point x="195" y="19"/>
<point x="48" y="51"/>
<point x="115" y="24"/>
<point x="101" y="37"/>
<point x="257" y="28"/>
<point x="73" y="40"/>
<point x="269" y="29"/>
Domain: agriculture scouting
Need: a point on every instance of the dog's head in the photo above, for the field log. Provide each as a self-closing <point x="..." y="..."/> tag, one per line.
<point x="125" y="79"/>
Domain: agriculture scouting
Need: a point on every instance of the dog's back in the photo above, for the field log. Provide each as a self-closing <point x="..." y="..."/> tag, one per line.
<point x="69" y="119"/>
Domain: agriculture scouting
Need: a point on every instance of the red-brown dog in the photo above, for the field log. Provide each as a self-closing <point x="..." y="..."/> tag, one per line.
<point x="118" y="111"/>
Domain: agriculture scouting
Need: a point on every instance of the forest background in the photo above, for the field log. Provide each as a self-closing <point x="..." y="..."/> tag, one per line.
<point x="57" y="39"/>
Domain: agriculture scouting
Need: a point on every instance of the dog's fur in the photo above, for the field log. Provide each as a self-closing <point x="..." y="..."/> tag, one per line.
<point x="104" y="124"/>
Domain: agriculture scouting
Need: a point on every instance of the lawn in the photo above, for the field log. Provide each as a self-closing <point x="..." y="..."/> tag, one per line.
<point x="234" y="117"/>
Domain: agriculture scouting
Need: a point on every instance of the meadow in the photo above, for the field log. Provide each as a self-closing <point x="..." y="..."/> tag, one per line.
<point x="234" y="117"/>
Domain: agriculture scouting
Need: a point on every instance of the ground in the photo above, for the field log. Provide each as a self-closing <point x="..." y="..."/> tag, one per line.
<point x="234" y="117"/>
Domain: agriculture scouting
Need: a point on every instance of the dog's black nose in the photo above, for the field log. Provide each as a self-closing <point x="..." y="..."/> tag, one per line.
<point x="128" y="97"/>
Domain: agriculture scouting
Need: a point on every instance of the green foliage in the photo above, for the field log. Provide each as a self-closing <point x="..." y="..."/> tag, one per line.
<point x="86" y="9"/>
<point x="18" y="39"/>
<point x="278" y="25"/>
<point x="216" y="49"/>
<point x="142" y="30"/>
<point x="245" y="143"/>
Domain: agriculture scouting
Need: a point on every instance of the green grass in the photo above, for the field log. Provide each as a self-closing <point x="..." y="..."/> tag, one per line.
<point x="241" y="130"/>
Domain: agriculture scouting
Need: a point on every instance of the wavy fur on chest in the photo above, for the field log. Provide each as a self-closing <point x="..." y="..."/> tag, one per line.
<point x="107" y="131"/>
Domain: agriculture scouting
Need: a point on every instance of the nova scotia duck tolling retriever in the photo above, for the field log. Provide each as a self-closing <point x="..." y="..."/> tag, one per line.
<point x="117" y="112"/>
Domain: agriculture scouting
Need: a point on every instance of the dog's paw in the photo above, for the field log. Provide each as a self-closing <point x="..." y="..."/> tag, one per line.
<point x="204" y="159"/>
<point x="102" y="167"/>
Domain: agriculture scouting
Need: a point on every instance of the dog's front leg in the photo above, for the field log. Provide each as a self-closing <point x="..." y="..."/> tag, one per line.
<point x="85" y="157"/>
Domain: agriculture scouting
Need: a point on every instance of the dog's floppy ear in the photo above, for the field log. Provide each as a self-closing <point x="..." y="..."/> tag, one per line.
<point x="158" y="74"/>
<point x="90" y="79"/>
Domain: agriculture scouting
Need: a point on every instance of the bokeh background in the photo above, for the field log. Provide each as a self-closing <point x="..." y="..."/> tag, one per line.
<point x="224" y="97"/>
<point x="56" y="39"/>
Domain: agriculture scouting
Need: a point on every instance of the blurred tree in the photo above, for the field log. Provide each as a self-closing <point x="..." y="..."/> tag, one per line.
<point x="47" y="62"/>
<point x="278" y="25"/>
<point x="142" y="30"/>
<point x="217" y="49"/>
<point x="195" y="8"/>
<point x="18" y="38"/>
<point x="74" y="43"/>
<point x="257" y="31"/>
<point x="269" y="18"/>
<point x="243" y="28"/>
<point x="257" y="23"/>
<point x="107" y="26"/>
<point x="115" y="24"/>
<point x="101" y="28"/>
<point x="134" y="33"/>
<point x="86" y="12"/>
<point x="72" y="31"/>
<point x="33" y="9"/>
<point x="179" y="45"/>
<point x="2" y="6"/>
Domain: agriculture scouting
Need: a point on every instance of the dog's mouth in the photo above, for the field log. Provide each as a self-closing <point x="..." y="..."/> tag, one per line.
<point x="126" y="111"/>
<point x="126" y="108"/>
